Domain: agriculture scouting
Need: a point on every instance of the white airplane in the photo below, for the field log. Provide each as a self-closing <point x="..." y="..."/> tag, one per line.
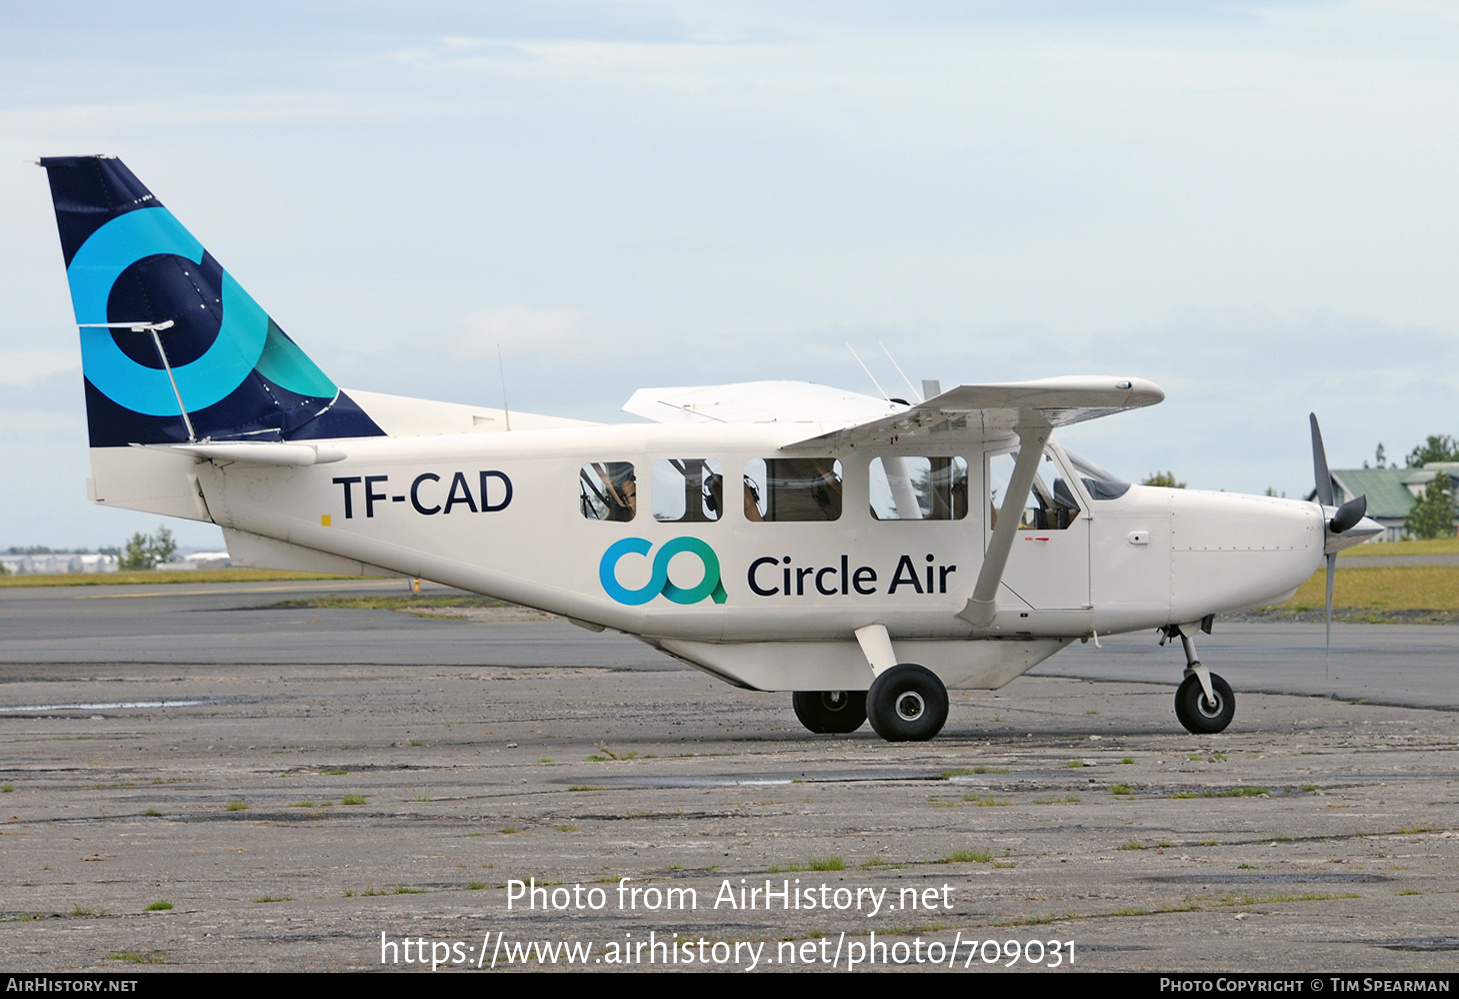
<point x="866" y="554"/>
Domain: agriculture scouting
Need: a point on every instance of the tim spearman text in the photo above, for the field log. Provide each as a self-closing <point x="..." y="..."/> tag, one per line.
<point x="786" y="895"/>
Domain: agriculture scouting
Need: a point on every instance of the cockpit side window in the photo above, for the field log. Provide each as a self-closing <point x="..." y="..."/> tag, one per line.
<point x="608" y="490"/>
<point x="1051" y="504"/>
<point x="792" y="489"/>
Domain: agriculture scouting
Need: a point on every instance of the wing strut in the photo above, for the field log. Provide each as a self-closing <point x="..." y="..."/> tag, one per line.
<point x="983" y="603"/>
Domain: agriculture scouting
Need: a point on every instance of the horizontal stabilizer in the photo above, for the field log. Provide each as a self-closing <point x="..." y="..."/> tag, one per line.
<point x="258" y="452"/>
<point x="996" y="412"/>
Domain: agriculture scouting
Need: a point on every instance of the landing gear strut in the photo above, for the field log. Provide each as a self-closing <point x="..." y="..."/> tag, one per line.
<point x="1204" y="703"/>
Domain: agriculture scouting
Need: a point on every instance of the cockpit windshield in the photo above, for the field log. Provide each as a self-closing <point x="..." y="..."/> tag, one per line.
<point x="1101" y="485"/>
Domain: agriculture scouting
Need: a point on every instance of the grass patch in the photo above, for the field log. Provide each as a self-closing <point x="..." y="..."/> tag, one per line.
<point x="1230" y="792"/>
<point x="1433" y="546"/>
<point x="1075" y="764"/>
<point x="476" y="886"/>
<point x="161" y="905"/>
<point x="1120" y="789"/>
<point x="1127" y="759"/>
<point x="152" y="813"/>
<point x="264" y="899"/>
<point x="1248" y="900"/>
<point x="566" y="827"/>
<point x="585" y="787"/>
<point x="237" y="806"/>
<point x="336" y="772"/>
<point x="140" y="956"/>
<point x="163" y="578"/>
<point x="967" y="857"/>
<point x="1133" y="844"/>
<point x="352" y="799"/>
<point x="817" y="864"/>
<point x="7" y="788"/>
<point x="1409" y="891"/>
<point x="970" y="771"/>
<point x="872" y="863"/>
<point x="1388" y="588"/>
<point x="391" y="601"/>
<point x="1037" y="920"/>
<point x="306" y="803"/>
<point x="985" y="802"/>
<point x="509" y="830"/>
<point x="604" y="754"/>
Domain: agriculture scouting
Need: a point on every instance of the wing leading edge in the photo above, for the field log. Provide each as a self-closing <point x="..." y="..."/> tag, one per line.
<point x="994" y="412"/>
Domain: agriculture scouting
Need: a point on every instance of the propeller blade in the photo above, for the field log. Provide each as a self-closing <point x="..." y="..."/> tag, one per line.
<point x="1349" y="514"/>
<point x="1331" y="572"/>
<point x="1319" y="465"/>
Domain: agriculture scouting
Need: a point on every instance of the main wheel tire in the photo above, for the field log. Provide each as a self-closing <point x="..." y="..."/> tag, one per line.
<point x="1196" y="714"/>
<point x="830" y="711"/>
<point x="907" y="703"/>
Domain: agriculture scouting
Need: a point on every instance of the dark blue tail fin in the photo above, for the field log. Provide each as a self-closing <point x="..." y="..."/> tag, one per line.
<point x="171" y="346"/>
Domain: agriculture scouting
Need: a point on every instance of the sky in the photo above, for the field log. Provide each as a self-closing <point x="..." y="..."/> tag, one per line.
<point x="1252" y="204"/>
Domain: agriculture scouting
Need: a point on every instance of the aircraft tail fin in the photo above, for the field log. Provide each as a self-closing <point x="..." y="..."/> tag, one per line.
<point x="172" y="348"/>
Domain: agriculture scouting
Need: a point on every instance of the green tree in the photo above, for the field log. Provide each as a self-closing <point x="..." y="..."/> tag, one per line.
<point x="163" y="545"/>
<point x="1433" y="515"/>
<point x="144" y="551"/>
<point x="1440" y="448"/>
<point x="1165" y="479"/>
<point x="136" y="553"/>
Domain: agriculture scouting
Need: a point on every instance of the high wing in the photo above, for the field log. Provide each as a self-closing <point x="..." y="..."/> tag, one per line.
<point x="994" y="412"/>
<point x="758" y="402"/>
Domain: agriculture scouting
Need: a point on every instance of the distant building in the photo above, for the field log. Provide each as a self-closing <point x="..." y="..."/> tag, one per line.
<point x="1391" y="492"/>
<point x="58" y="562"/>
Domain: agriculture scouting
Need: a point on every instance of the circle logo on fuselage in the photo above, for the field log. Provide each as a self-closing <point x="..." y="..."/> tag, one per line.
<point x="659" y="582"/>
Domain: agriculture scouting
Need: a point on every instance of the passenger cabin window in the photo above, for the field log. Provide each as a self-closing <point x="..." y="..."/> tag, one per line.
<point x="607" y="490"/>
<point x="918" y="488"/>
<point x="1050" y="506"/>
<point x="688" y="490"/>
<point x="792" y="489"/>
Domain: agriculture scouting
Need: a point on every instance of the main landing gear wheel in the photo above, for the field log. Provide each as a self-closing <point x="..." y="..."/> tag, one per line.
<point x="833" y="711"/>
<point x="907" y="703"/>
<point x="1196" y="713"/>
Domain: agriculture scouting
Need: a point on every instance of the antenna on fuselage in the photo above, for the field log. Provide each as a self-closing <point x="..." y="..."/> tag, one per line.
<point x="919" y="395"/>
<point x="502" y="371"/>
<point x="868" y="373"/>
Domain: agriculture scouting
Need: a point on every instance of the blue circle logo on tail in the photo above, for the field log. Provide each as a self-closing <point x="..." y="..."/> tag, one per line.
<point x="243" y="333"/>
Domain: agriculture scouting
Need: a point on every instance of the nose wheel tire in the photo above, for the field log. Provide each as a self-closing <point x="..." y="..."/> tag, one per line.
<point x="907" y="703"/>
<point x="1196" y="713"/>
<point x="830" y="711"/>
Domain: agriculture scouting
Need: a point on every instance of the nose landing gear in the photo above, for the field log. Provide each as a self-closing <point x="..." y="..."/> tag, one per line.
<point x="1204" y="702"/>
